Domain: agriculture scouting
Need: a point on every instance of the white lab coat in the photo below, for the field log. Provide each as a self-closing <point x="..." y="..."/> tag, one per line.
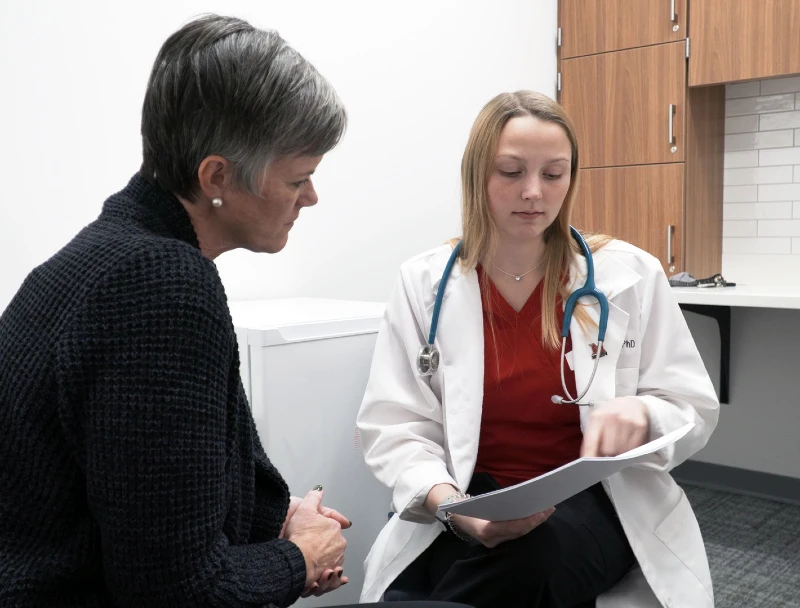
<point x="421" y="431"/>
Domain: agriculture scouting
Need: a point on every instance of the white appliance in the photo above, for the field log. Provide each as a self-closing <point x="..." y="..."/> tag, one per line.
<point x="305" y="364"/>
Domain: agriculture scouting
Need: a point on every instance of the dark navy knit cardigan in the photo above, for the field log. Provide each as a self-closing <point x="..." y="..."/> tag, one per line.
<point x="130" y="469"/>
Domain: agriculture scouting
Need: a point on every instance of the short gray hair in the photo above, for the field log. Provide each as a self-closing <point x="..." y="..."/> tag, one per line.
<point x="221" y="86"/>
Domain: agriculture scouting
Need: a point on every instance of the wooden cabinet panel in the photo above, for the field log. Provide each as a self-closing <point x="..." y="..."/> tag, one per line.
<point x="619" y="104"/>
<point x="705" y="143"/>
<point x="600" y="26"/>
<point x="743" y="40"/>
<point x="635" y="204"/>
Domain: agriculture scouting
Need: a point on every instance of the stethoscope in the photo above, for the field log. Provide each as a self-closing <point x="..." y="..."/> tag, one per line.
<point x="429" y="357"/>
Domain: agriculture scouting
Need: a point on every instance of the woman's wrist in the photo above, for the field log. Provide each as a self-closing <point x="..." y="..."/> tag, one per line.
<point x="457" y="528"/>
<point x="437" y="495"/>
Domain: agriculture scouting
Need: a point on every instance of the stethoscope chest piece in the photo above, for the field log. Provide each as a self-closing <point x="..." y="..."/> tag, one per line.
<point x="428" y="360"/>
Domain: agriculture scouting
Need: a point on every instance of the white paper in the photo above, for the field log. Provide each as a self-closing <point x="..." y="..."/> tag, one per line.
<point x="545" y="491"/>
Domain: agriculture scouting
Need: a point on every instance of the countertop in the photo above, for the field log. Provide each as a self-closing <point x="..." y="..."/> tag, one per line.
<point x="754" y="296"/>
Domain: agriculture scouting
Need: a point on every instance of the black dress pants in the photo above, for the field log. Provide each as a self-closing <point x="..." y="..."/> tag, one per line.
<point x="577" y="554"/>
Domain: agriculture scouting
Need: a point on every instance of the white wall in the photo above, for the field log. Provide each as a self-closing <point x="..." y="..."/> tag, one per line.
<point x="413" y="75"/>
<point x="761" y="211"/>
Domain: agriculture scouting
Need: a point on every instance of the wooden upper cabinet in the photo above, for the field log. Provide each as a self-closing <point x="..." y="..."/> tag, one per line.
<point x="623" y="103"/>
<point x="641" y="205"/>
<point x="743" y="40"/>
<point x="600" y="26"/>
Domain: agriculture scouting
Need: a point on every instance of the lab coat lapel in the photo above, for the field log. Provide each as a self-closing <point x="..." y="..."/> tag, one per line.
<point x="611" y="278"/>
<point x="460" y="342"/>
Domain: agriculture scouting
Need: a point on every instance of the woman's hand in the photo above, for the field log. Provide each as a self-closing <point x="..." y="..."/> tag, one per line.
<point x="294" y="502"/>
<point x="492" y="533"/>
<point x="320" y="540"/>
<point x="329" y="581"/>
<point x="488" y="533"/>
<point x="615" y="427"/>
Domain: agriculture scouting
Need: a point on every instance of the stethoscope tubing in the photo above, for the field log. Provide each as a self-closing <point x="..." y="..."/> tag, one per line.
<point x="428" y="358"/>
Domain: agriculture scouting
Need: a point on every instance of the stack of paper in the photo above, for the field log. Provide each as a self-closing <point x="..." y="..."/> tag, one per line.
<point x="545" y="491"/>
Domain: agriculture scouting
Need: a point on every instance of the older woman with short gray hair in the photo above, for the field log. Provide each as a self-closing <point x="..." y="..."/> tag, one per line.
<point x="132" y="472"/>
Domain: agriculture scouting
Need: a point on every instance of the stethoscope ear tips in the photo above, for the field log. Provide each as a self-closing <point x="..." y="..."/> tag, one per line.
<point x="556" y="399"/>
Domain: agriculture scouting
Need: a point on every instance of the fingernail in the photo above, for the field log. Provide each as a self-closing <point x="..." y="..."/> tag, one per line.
<point x="330" y="576"/>
<point x="339" y="574"/>
<point x="314" y="586"/>
<point x="349" y="521"/>
<point x="317" y="488"/>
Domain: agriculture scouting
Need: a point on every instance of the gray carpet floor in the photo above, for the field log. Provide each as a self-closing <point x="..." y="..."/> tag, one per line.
<point x="753" y="548"/>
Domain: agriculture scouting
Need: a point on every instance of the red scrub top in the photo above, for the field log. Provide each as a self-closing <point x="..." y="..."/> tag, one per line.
<point x="523" y="433"/>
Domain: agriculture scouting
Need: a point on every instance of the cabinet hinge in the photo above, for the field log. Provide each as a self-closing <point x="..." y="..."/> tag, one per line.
<point x="687" y="48"/>
<point x="558" y="83"/>
<point x="559" y="37"/>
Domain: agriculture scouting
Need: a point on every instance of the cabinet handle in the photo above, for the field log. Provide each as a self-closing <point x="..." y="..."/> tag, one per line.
<point x="672" y="16"/>
<point x="670" y="232"/>
<point x="671" y="117"/>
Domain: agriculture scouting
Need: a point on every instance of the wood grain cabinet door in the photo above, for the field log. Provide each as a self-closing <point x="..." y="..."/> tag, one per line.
<point x="641" y="205"/>
<point x="628" y="107"/>
<point x="600" y="26"/>
<point x="743" y="40"/>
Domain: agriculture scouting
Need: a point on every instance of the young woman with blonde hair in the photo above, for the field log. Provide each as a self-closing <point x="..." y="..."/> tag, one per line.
<point x="485" y="419"/>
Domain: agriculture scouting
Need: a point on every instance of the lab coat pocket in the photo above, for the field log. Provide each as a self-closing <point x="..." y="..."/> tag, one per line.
<point x="627" y="381"/>
<point x="680" y="532"/>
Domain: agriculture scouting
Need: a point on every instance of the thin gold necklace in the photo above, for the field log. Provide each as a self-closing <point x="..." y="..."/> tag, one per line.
<point x="517" y="277"/>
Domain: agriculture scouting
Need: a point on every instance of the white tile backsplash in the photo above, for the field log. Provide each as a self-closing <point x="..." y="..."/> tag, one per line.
<point x="761" y="194"/>
<point x="779" y="120"/>
<point x="758" y="175"/>
<point x="763" y="245"/>
<point x="743" y="89"/>
<point x="758" y="141"/>
<point x="740" y="228"/>
<point x="744" y="158"/>
<point x="777" y="156"/>
<point x="739" y="194"/>
<point x="756" y="211"/>
<point x="778" y="192"/>
<point x="759" y="105"/>
<point x="742" y="124"/>
<point x="779" y="228"/>
<point x="780" y="85"/>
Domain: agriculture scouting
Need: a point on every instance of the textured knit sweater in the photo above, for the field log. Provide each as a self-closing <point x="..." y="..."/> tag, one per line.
<point x="131" y="473"/>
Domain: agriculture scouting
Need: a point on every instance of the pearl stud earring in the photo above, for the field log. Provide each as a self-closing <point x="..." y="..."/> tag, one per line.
<point x="217" y="202"/>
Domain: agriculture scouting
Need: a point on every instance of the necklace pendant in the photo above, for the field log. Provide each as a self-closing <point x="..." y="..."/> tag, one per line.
<point x="517" y="277"/>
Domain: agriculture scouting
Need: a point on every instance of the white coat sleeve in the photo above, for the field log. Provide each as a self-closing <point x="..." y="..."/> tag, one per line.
<point x="673" y="381"/>
<point x="401" y="418"/>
